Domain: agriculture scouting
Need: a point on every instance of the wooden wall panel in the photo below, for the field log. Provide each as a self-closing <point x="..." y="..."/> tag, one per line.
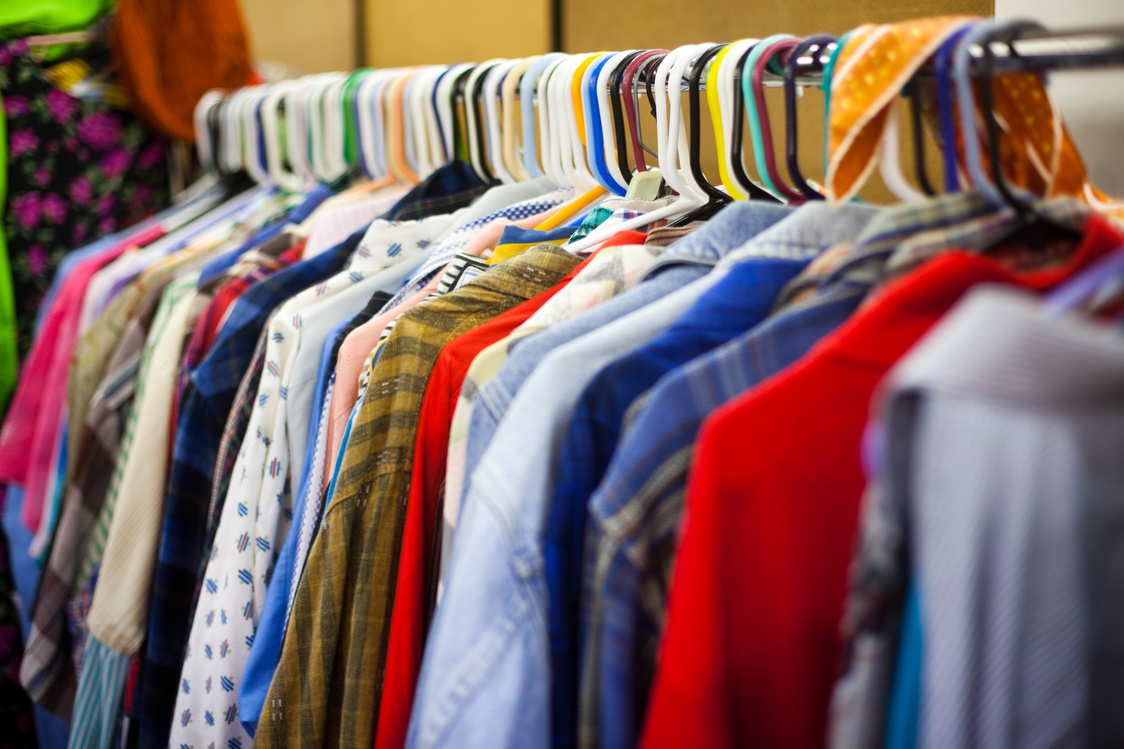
<point x="417" y="32"/>
<point x="590" y="25"/>
<point x="312" y="37"/>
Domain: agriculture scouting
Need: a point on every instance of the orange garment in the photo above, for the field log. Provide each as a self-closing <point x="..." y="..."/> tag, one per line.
<point x="168" y="53"/>
<point x="876" y="64"/>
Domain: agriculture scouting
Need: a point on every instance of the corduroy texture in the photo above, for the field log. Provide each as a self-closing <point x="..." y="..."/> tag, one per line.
<point x="168" y="53"/>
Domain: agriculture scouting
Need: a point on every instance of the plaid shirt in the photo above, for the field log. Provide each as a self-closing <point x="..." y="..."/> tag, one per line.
<point x="202" y="417"/>
<point x="48" y="670"/>
<point x="326" y="689"/>
<point x="449" y="188"/>
<point x="230" y="285"/>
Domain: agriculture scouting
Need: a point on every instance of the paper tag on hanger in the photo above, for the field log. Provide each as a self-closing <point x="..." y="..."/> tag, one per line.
<point x="645" y="185"/>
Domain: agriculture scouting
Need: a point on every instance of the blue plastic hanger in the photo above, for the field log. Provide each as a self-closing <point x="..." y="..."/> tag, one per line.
<point x="942" y="62"/>
<point x="594" y="137"/>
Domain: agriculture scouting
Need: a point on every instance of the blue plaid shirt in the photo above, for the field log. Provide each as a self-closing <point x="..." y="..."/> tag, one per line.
<point x="449" y="188"/>
<point x="737" y="302"/>
<point x="199" y="429"/>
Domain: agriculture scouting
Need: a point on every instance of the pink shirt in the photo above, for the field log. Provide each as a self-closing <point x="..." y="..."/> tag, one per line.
<point x="359" y="344"/>
<point x="31" y="429"/>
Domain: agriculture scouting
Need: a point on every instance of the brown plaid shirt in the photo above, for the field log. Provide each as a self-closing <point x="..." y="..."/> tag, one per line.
<point x="327" y="687"/>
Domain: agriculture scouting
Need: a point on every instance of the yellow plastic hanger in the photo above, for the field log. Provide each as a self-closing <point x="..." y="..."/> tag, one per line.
<point x="576" y="92"/>
<point x="714" y="103"/>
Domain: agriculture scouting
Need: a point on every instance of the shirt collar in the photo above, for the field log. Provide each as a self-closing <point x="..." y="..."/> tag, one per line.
<point x="806" y="232"/>
<point x="728" y="229"/>
<point x="895" y="319"/>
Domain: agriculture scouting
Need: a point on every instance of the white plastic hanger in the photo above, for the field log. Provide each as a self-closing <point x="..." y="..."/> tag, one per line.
<point x="889" y="161"/>
<point x="560" y="117"/>
<point x="424" y="118"/>
<point x="409" y="133"/>
<point x="550" y="129"/>
<point x="372" y="127"/>
<point x="296" y="130"/>
<point x="230" y="133"/>
<point x="335" y="127"/>
<point x="675" y="148"/>
<point x="271" y="134"/>
<point x="320" y="127"/>
<point x="252" y="134"/>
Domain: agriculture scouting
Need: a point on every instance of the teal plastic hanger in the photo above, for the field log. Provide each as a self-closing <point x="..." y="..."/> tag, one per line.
<point x="753" y="114"/>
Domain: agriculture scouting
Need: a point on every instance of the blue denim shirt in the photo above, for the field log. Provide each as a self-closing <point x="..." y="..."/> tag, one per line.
<point x="483" y="679"/>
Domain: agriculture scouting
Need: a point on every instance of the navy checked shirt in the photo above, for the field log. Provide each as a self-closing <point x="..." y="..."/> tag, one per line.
<point x="737" y="302"/>
<point x="202" y="419"/>
<point x="449" y="188"/>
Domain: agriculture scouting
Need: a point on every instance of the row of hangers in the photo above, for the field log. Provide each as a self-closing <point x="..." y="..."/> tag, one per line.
<point x="579" y="122"/>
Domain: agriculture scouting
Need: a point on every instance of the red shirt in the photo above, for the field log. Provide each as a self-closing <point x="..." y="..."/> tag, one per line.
<point x="750" y="652"/>
<point x="413" y="594"/>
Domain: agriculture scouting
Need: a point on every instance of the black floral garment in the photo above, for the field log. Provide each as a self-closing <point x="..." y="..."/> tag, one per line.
<point x="78" y="168"/>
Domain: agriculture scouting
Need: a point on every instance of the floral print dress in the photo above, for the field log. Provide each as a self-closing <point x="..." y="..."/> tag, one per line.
<point x="78" y="168"/>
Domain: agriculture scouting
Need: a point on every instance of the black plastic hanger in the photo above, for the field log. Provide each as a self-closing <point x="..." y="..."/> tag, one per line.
<point x="716" y="199"/>
<point x="755" y="191"/>
<point x="474" y="108"/>
<point x="819" y="41"/>
<point x="1031" y="226"/>
<point x="618" y="113"/>
<point x="913" y="91"/>
<point x="460" y="127"/>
